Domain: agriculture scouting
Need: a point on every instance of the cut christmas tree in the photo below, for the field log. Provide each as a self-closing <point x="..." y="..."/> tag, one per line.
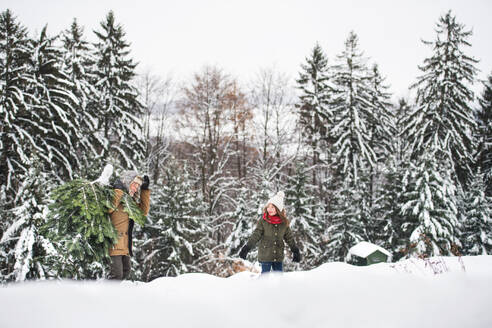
<point x="80" y="227"/>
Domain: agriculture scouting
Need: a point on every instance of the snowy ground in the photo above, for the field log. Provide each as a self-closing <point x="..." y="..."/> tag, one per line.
<point x="443" y="292"/>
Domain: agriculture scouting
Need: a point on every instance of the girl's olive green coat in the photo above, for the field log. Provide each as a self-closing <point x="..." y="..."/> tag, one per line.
<point x="271" y="238"/>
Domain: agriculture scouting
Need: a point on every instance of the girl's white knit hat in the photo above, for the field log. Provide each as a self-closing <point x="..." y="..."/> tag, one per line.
<point x="278" y="200"/>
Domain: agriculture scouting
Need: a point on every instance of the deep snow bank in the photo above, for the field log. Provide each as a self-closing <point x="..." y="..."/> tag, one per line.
<point x="403" y="294"/>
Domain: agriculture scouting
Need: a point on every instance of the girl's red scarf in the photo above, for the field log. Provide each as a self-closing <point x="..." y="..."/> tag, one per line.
<point x="272" y="219"/>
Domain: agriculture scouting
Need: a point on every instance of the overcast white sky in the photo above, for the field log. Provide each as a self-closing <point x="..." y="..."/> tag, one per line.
<point x="181" y="36"/>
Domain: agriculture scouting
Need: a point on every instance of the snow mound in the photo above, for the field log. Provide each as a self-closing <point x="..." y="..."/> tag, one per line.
<point x="403" y="294"/>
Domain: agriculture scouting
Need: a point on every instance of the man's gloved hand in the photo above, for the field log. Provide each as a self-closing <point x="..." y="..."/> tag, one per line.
<point x="145" y="183"/>
<point x="296" y="254"/>
<point x="244" y="252"/>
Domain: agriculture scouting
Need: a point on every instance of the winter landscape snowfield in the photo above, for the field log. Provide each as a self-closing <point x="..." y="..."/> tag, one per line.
<point x="438" y="292"/>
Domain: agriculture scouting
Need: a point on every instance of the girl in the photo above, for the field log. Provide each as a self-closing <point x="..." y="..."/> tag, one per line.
<point x="271" y="231"/>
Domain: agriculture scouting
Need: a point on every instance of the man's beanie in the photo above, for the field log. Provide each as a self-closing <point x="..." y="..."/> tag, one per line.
<point x="127" y="177"/>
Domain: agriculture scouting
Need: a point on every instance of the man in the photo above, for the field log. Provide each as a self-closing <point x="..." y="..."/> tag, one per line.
<point x="120" y="253"/>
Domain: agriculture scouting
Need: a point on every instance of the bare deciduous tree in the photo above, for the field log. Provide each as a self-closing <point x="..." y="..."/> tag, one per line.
<point x="158" y="95"/>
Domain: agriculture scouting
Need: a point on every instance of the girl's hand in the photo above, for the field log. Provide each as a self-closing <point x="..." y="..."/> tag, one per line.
<point x="296" y="254"/>
<point x="244" y="252"/>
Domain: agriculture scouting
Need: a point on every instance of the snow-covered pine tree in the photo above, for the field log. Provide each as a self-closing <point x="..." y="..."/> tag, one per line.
<point x="172" y="243"/>
<point x="400" y="138"/>
<point x="220" y="218"/>
<point x="51" y="121"/>
<point x="3" y="211"/>
<point x="381" y="122"/>
<point x="430" y="212"/>
<point x="444" y="118"/>
<point x="484" y="122"/>
<point x="388" y="220"/>
<point x="244" y="215"/>
<point x="78" y="63"/>
<point x="40" y="126"/>
<point x="346" y="228"/>
<point x="353" y="153"/>
<point x="307" y="217"/>
<point x="381" y="126"/>
<point x="24" y="252"/>
<point x="353" y="109"/>
<point x="477" y="219"/>
<point x="15" y="49"/>
<point x="316" y="118"/>
<point x="118" y="105"/>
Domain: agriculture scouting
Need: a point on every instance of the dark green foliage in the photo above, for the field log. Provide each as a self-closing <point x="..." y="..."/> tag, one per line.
<point x="79" y="226"/>
<point x="79" y="218"/>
